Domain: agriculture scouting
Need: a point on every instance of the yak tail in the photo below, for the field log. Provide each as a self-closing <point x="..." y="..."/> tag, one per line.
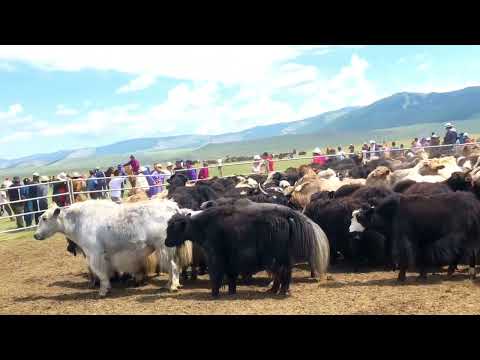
<point x="309" y="243"/>
<point x="184" y="254"/>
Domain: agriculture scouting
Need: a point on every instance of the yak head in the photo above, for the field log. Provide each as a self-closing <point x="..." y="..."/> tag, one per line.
<point x="177" y="230"/>
<point x="49" y="223"/>
<point x="460" y="181"/>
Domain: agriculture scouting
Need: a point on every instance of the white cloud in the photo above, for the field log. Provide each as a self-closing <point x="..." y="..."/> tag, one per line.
<point x="349" y="87"/>
<point x="12" y="111"/>
<point x="228" y="65"/>
<point x="200" y="108"/>
<point x="17" y="136"/>
<point x="139" y="83"/>
<point x="63" y="110"/>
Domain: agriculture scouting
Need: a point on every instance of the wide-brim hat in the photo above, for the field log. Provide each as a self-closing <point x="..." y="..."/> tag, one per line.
<point x="76" y="175"/>
<point x="62" y="177"/>
<point x="317" y="150"/>
<point x="257" y="157"/>
<point x="169" y="164"/>
<point x="372" y="142"/>
<point x="44" y="179"/>
<point x="447" y="125"/>
<point x="36" y="174"/>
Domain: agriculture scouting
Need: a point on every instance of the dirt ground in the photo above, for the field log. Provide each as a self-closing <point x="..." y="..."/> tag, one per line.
<point x="40" y="277"/>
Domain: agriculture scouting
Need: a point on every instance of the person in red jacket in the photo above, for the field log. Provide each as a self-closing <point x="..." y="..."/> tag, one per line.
<point x="203" y="173"/>
<point x="269" y="159"/>
<point x="318" y="158"/>
<point x="135" y="164"/>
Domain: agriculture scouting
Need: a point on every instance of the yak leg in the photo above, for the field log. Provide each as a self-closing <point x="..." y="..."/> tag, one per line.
<point x="216" y="272"/>
<point x="286" y="277"/>
<point x="92" y="279"/>
<point x="173" y="277"/>
<point x="185" y="273"/>
<point x="100" y="267"/>
<point x="194" y="273"/>
<point x="232" y="283"/>
<point x="472" y="264"/>
<point x="216" y="278"/>
<point x="275" y="284"/>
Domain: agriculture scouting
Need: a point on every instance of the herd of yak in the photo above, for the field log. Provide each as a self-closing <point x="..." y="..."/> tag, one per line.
<point x="396" y="214"/>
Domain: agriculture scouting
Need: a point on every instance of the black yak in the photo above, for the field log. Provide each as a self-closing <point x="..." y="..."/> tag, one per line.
<point x="435" y="229"/>
<point x="245" y="237"/>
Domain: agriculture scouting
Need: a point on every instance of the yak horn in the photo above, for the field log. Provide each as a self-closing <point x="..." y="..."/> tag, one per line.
<point x="261" y="189"/>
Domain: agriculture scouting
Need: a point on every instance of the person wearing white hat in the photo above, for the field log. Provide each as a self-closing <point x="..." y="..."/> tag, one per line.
<point x="318" y="158"/>
<point x="168" y="170"/>
<point x="451" y="135"/>
<point x="373" y="148"/>
<point x="60" y="191"/>
<point x="257" y="164"/>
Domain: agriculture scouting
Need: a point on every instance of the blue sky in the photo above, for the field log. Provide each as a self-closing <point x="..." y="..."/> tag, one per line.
<point x="67" y="97"/>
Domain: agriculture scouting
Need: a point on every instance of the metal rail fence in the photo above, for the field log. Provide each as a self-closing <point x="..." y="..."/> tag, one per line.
<point x="6" y="205"/>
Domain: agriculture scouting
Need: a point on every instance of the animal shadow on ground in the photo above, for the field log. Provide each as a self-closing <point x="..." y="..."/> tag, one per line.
<point x="432" y="279"/>
<point x="93" y="295"/>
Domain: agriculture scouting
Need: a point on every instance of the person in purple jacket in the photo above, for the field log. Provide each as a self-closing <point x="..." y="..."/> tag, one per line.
<point x="158" y="179"/>
<point x="191" y="171"/>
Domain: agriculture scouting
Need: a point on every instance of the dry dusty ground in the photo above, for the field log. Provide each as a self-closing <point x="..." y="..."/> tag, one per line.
<point x="42" y="278"/>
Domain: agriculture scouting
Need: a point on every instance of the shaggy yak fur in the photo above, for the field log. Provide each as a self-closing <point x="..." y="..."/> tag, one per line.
<point x="428" y="230"/>
<point x="244" y="237"/>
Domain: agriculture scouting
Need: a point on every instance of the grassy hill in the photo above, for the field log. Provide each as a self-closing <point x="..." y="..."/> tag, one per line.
<point x="277" y="144"/>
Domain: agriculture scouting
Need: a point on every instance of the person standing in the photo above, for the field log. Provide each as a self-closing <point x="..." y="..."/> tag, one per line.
<point x="340" y="153"/>
<point x="451" y="136"/>
<point x="5" y="206"/>
<point x="33" y="192"/>
<point x="158" y="178"/>
<point x="169" y="170"/>
<point x="14" y="195"/>
<point x="102" y="186"/>
<point x="270" y="163"/>
<point x="220" y="167"/>
<point x="351" y="151"/>
<point x="191" y="171"/>
<point x="203" y="173"/>
<point x="373" y="148"/>
<point x="92" y="185"/>
<point x="60" y="189"/>
<point x="28" y="205"/>
<point x="318" y="158"/>
<point x="134" y="164"/>
<point x="116" y="185"/>
<point x="42" y="192"/>
<point x="257" y="164"/>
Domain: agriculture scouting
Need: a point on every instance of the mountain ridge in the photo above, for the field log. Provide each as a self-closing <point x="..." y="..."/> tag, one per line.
<point x="401" y="109"/>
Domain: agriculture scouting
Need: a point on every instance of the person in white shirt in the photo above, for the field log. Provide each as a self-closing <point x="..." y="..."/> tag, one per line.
<point x="258" y="165"/>
<point x="116" y="187"/>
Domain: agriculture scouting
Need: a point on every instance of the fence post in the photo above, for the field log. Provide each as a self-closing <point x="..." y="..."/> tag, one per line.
<point x="70" y="189"/>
